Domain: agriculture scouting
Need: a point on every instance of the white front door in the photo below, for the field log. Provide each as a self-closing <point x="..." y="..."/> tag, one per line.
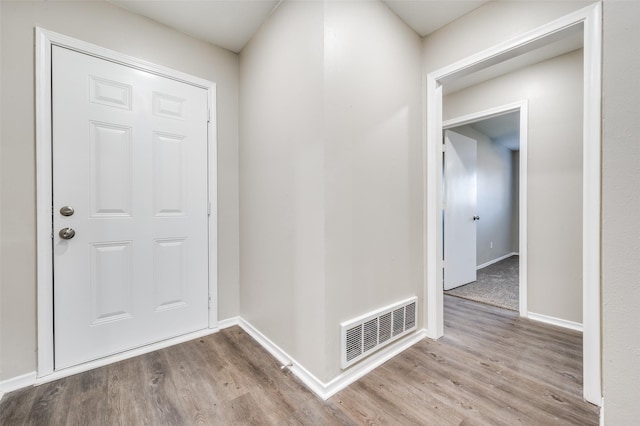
<point x="459" y="210"/>
<point x="130" y="179"/>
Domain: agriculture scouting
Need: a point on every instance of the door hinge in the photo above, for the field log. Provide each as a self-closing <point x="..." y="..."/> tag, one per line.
<point x="209" y="115"/>
<point x="209" y="209"/>
<point x="209" y="302"/>
<point x="444" y="148"/>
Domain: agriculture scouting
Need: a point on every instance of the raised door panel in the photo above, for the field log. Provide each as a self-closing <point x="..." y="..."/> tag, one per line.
<point x="168" y="106"/>
<point x="111" y="170"/>
<point x="170" y="265"/>
<point x="169" y="157"/>
<point x="110" y="93"/>
<point x="111" y="282"/>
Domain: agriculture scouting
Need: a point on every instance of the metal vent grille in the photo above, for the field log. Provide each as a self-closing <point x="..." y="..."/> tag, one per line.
<point x="409" y="316"/>
<point x="370" y="337"/>
<point x="366" y="334"/>
<point x="385" y="327"/>
<point x="398" y="321"/>
<point x="354" y="343"/>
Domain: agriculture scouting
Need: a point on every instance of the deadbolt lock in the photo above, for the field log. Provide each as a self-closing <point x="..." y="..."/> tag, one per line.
<point x="67" y="211"/>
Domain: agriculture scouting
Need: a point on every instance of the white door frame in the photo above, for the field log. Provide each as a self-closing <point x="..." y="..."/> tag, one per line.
<point x="522" y="108"/>
<point x="591" y="18"/>
<point x="44" y="41"/>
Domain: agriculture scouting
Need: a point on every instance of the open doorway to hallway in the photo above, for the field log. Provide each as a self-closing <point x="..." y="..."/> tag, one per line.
<point x="581" y="190"/>
<point x="486" y="241"/>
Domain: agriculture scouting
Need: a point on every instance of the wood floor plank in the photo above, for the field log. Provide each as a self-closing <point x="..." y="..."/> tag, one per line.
<point x="244" y="410"/>
<point x="48" y="406"/>
<point x="549" y="362"/>
<point x="490" y="368"/>
<point x="124" y="391"/>
<point x="16" y="407"/>
<point x="198" y="387"/>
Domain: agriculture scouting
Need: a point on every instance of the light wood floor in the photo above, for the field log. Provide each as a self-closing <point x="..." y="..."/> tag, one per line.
<point x="491" y="368"/>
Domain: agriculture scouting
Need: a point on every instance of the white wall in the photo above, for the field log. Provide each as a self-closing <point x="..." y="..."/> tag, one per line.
<point x="554" y="91"/>
<point x="373" y="164"/>
<point x="621" y="204"/>
<point x="330" y="173"/>
<point x="111" y="27"/>
<point x="495" y="197"/>
<point x="282" y="168"/>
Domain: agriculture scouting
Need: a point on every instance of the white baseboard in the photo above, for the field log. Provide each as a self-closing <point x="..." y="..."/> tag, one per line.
<point x="555" y="321"/>
<point x="229" y="322"/>
<point x="491" y="262"/>
<point x="372" y="362"/>
<point x="17" y="382"/>
<point x="59" y="374"/>
<point x="317" y="386"/>
<point x="323" y="390"/>
<point x="311" y="381"/>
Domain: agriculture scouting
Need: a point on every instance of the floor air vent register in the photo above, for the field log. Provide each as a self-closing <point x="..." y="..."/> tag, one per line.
<point x="368" y="333"/>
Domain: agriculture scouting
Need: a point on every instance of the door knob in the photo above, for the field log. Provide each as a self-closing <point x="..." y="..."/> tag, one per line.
<point x="476" y="218"/>
<point x="67" y="211"/>
<point x="67" y="233"/>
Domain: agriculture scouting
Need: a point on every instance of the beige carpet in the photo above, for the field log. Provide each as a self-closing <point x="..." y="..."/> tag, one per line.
<point x="496" y="285"/>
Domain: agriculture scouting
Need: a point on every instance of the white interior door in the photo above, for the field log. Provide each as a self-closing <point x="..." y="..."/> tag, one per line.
<point x="130" y="159"/>
<point x="460" y="218"/>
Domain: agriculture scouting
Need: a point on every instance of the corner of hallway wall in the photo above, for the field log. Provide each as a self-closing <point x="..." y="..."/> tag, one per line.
<point x="330" y="170"/>
<point x="114" y="28"/>
<point x="282" y="195"/>
<point x="620" y="206"/>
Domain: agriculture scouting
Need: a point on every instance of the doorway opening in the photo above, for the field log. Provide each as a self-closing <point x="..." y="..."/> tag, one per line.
<point x="493" y="221"/>
<point x="587" y="23"/>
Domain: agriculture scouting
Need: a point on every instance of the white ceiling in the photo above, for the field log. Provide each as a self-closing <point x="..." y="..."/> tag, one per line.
<point x="232" y="23"/>
<point x="225" y="23"/>
<point x="503" y="129"/>
<point x="426" y="16"/>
